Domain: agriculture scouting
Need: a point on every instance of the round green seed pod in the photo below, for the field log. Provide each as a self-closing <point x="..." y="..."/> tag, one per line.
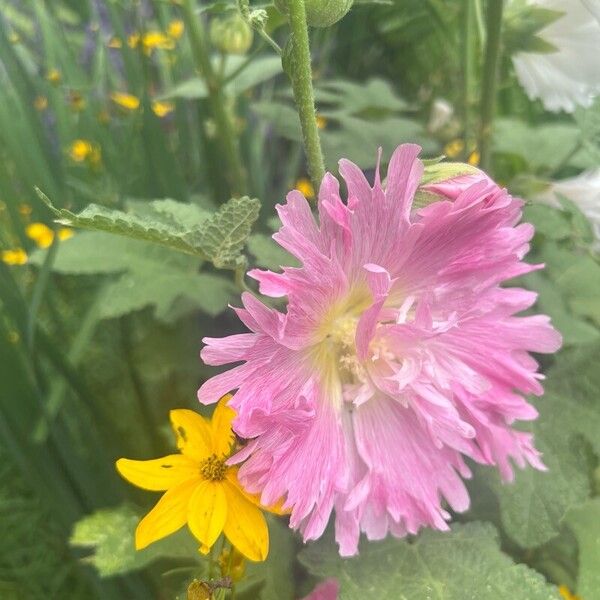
<point x="320" y="13"/>
<point x="231" y="35"/>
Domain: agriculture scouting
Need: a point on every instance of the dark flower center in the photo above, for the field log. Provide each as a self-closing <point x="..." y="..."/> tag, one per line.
<point x="213" y="468"/>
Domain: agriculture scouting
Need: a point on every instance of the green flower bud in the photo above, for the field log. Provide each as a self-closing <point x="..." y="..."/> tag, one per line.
<point x="320" y="13"/>
<point x="231" y="35"/>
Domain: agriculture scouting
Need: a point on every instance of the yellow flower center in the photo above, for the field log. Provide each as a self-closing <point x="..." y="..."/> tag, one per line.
<point x="213" y="468"/>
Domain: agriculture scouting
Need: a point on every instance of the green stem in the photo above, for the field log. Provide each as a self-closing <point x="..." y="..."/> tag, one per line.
<point x="490" y="75"/>
<point x="216" y="97"/>
<point x="468" y="72"/>
<point x="303" y="90"/>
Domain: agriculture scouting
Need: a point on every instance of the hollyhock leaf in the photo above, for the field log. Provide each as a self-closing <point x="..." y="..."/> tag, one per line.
<point x="218" y="237"/>
<point x="534" y="505"/>
<point x="585" y="523"/>
<point x="109" y="535"/>
<point x="267" y="253"/>
<point x="465" y="563"/>
<point x="537" y="144"/>
<point x="147" y="275"/>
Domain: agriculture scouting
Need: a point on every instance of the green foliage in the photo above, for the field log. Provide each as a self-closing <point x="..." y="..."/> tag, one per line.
<point x="360" y="118"/>
<point x="533" y="507"/>
<point x="109" y="534"/>
<point x="465" y="563"/>
<point x="240" y="80"/>
<point x="584" y="520"/>
<point x="148" y="275"/>
<point x="219" y="237"/>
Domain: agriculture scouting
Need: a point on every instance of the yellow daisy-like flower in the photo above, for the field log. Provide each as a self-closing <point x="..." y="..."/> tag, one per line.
<point x="305" y="186"/>
<point x="53" y="76"/>
<point x="200" y="489"/>
<point x="17" y="256"/>
<point x="40" y="233"/>
<point x="40" y="103"/>
<point x="175" y="29"/>
<point x="454" y="148"/>
<point x="474" y="158"/>
<point x="565" y="592"/>
<point x="126" y="101"/>
<point x="321" y="122"/>
<point x="162" y="109"/>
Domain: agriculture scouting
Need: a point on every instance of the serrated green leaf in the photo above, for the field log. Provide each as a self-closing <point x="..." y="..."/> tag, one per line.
<point x="464" y="564"/>
<point x="148" y="275"/>
<point x="222" y="237"/>
<point x="533" y="506"/>
<point x="219" y="237"/>
<point x="585" y="523"/>
<point x="109" y="533"/>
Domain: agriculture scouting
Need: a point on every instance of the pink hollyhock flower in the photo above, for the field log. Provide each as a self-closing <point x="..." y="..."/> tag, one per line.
<point x="398" y="355"/>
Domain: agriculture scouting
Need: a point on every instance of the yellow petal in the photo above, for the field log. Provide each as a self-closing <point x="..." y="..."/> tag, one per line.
<point x="207" y="512"/>
<point x="193" y="433"/>
<point x="168" y="515"/>
<point x="245" y="526"/>
<point x="158" y="474"/>
<point x="276" y="508"/>
<point x="221" y="426"/>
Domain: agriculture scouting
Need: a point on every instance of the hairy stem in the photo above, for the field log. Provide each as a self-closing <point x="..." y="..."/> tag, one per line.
<point x="225" y="129"/>
<point x="490" y="75"/>
<point x="303" y="90"/>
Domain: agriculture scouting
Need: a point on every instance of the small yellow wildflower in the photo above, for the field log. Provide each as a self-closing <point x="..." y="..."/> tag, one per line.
<point x="200" y="488"/>
<point x="53" y="76"/>
<point x="150" y="41"/>
<point x="474" y="158"/>
<point x="65" y="233"/>
<point x="175" y="29"/>
<point x="40" y="103"/>
<point x="454" y="148"/>
<point x="14" y="37"/>
<point x="115" y="42"/>
<point x="80" y="150"/>
<point x="126" y="101"/>
<point x="565" y="592"/>
<point x="305" y="186"/>
<point x="321" y="122"/>
<point x="162" y="109"/>
<point x="157" y="39"/>
<point x="18" y="256"/>
<point x="13" y="336"/>
<point x="40" y="233"/>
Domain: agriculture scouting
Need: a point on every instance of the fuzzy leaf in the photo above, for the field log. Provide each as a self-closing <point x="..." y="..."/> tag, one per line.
<point x="533" y="506"/>
<point x="585" y="523"/>
<point x="219" y="237"/>
<point x="110" y="534"/>
<point x="464" y="564"/>
<point x="147" y="275"/>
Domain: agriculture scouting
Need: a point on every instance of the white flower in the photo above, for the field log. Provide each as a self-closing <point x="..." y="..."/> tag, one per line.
<point x="583" y="190"/>
<point x="571" y="75"/>
<point x="441" y="114"/>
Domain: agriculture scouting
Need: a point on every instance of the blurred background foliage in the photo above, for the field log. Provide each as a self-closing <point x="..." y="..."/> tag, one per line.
<point x="102" y="101"/>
